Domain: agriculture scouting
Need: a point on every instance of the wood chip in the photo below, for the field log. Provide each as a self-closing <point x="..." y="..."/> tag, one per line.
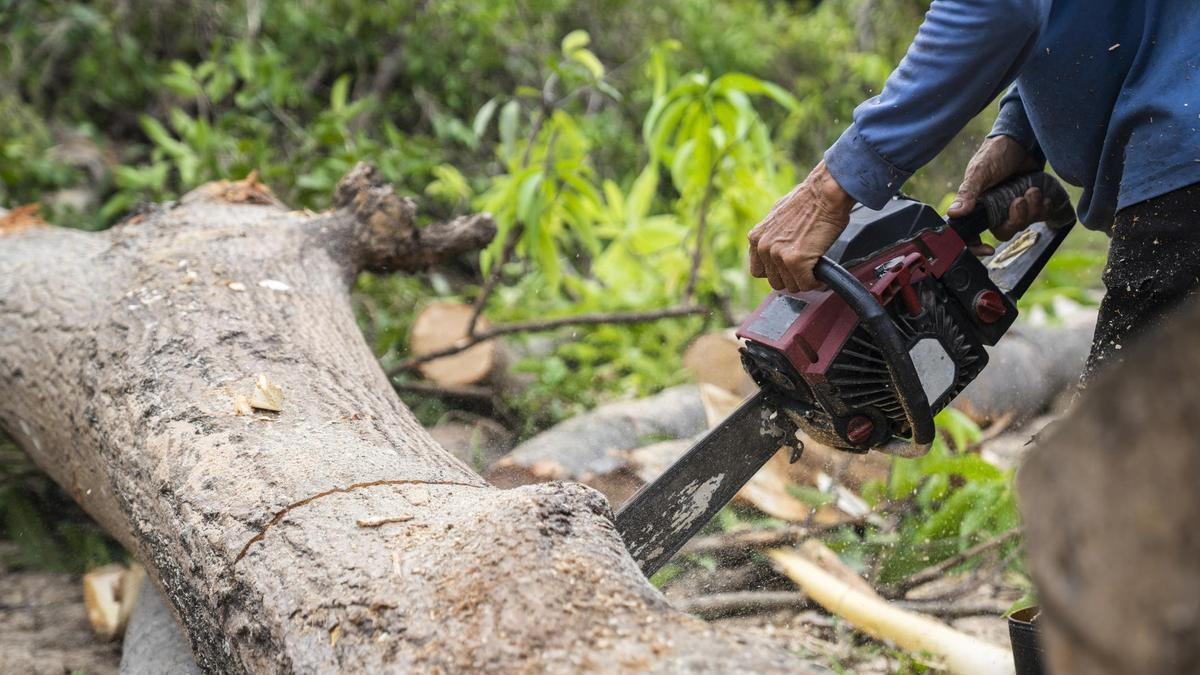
<point x="417" y="496"/>
<point x="335" y="635"/>
<point x="376" y="522"/>
<point x="267" y="395"/>
<point x="241" y="405"/>
<point x="274" y="285"/>
<point x="109" y="593"/>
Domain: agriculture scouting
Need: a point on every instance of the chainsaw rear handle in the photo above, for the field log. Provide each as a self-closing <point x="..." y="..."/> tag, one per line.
<point x="886" y="336"/>
<point x="992" y="208"/>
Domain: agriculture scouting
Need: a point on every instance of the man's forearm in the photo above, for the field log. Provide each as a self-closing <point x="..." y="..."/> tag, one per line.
<point x="966" y="52"/>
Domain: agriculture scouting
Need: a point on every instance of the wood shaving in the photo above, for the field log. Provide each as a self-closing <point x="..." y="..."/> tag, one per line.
<point x="335" y="635"/>
<point x="241" y="405"/>
<point x="376" y="522"/>
<point x="267" y="395"/>
<point x="275" y="285"/>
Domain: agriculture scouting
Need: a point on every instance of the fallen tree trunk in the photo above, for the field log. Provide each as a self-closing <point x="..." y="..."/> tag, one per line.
<point x="124" y="356"/>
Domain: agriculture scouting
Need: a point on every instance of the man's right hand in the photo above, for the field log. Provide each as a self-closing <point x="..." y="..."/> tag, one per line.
<point x="998" y="159"/>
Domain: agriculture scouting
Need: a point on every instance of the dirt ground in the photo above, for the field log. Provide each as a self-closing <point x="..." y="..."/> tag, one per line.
<point x="44" y="629"/>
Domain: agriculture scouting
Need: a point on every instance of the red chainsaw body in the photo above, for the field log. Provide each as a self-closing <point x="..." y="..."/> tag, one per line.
<point x="811" y="347"/>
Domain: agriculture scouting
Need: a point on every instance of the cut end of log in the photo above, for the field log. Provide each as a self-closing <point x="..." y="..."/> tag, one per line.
<point x="109" y="595"/>
<point x="21" y="218"/>
<point x="716" y="359"/>
<point x="445" y="324"/>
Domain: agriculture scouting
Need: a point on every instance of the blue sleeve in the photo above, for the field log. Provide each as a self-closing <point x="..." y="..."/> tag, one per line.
<point x="1014" y="123"/>
<point x="966" y="52"/>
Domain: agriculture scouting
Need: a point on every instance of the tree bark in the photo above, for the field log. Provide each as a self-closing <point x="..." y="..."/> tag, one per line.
<point x="121" y="355"/>
<point x="1109" y="502"/>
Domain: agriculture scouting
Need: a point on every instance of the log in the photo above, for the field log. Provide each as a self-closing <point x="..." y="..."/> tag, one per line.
<point x="1108" y="497"/>
<point x="590" y="448"/>
<point x="715" y="358"/>
<point x="1027" y="370"/>
<point x="121" y="356"/>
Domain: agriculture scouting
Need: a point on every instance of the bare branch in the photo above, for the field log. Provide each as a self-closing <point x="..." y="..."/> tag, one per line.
<point x="548" y="324"/>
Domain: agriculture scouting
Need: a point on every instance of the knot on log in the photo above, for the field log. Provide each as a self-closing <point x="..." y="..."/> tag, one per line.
<point x="386" y="237"/>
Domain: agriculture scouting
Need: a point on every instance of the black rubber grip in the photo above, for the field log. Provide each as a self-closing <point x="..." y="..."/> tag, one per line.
<point x="992" y="208"/>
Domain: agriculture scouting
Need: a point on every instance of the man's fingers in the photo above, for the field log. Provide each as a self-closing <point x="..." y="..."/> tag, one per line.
<point x="782" y="259"/>
<point x="1037" y="206"/>
<point x="805" y="279"/>
<point x="770" y="269"/>
<point x="756" y="265"/>
<point x="1018" y="219"/>
<point x="964" y="200"/>
<point x="980" y="250"/>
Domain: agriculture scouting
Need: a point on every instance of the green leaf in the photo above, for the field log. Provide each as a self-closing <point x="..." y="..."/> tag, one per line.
<point x="484" y="117"/>
<point x="589" y="61"/>
<point x="339" y="93"/>
<point x="529" y="203"/>
<point x="576" y="39"/>
<point x="509" y="118"/>
<point x="641" y="195"/>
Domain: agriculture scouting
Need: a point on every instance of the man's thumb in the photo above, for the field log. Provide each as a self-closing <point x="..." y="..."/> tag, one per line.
<point x="964" y="200"/>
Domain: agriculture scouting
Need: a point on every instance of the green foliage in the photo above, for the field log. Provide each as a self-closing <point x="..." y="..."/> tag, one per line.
<point x="949" y="500"/>
<point x="49" y="530"/>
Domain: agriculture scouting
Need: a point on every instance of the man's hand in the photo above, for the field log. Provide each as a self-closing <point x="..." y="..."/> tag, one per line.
<point x="785" y="246"/>
<point x="999" y="158"/>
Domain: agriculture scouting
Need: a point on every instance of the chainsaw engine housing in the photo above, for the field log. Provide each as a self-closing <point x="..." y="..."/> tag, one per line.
<point x="813" y="350"/>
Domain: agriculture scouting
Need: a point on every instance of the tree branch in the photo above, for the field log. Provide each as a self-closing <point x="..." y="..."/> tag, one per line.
<point x="548" y="324"/>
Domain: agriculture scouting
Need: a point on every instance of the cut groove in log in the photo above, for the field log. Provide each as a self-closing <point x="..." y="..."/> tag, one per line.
<point x="120" y="356"/>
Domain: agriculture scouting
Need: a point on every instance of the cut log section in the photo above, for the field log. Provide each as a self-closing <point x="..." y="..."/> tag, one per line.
<point x="444" y="324"/>
<point x="715" y="358"/>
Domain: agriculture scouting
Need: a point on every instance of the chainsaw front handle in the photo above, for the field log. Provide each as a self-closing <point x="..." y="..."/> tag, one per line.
<point x="888" y="339"/>
<point x="992" y="208"/>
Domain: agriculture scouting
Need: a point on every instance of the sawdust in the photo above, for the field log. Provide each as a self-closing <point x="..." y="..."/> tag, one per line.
<point x="249" y="190"/>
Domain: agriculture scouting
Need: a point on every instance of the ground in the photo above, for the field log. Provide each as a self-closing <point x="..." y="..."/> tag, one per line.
<point x="44" y="629"/>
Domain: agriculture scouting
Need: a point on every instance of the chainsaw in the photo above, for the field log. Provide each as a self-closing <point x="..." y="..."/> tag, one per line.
<point x="899" y="329"/>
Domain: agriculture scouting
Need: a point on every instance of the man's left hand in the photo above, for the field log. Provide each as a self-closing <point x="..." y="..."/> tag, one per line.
<point x="785" y="246"/>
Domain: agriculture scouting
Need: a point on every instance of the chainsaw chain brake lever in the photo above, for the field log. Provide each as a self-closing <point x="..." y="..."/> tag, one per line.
<point x="887" y="338"/>
<point x="992" y="207"/>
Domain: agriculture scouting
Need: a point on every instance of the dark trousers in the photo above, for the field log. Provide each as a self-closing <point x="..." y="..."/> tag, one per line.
<point x="1153" y="267"/>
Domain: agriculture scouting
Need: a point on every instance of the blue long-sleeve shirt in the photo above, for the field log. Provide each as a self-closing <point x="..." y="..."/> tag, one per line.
<point x="1108" y="91"/>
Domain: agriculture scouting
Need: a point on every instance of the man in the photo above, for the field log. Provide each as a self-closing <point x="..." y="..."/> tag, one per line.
<point x="1108" y="91"/>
